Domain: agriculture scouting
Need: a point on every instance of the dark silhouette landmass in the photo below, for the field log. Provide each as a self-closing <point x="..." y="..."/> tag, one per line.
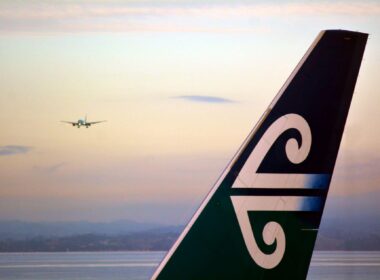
<point x="347" y="224"/>
<point x="333" y="235"/>
<point x="124" y="235"/>
<point x="145" y="241"/>
<point x="21" y="230"/>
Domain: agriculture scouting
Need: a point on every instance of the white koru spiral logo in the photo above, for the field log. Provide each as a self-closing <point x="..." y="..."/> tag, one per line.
<point x="249" y="178"/>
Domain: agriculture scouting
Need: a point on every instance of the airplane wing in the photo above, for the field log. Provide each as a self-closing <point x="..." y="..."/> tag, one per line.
<point x="69" y="122"/>
<point x="91" y="123"/>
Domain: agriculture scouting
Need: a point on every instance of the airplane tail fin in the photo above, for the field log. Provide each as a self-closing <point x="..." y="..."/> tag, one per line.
<point x="261" y="219"/>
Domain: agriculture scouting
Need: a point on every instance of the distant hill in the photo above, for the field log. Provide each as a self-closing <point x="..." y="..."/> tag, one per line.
<point x="350" y="232"/>
<point x="19" y="230"/>
<point x="160" y="239"/>
<point x="19" y="236"/>
<point x="351" y="223"/>
<point x="347" y="224"/>
<point x="143" y="241"/>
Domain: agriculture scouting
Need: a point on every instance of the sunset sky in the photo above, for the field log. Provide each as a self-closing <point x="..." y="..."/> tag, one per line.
<point x="180" y="83"/>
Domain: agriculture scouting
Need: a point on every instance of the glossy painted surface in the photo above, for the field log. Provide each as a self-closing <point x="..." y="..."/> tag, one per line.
<point x="294" y="145"/>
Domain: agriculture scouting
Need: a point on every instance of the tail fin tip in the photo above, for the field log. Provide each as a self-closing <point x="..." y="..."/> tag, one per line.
<point x="261" y="219"/>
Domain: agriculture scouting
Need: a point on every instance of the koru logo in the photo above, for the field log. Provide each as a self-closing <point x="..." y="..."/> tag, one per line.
<point x="249" y="178"/>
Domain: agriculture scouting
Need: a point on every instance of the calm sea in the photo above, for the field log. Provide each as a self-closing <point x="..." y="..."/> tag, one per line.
<point x="140" y="265"/>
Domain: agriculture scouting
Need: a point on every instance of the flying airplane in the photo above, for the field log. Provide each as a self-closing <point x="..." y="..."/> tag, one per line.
<point x="82" y="122"/>
<point x="261" y="218"/>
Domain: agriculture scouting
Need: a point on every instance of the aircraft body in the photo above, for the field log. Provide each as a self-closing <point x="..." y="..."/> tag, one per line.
<point x="261" y="218"/>
<point x="82" y="122"/>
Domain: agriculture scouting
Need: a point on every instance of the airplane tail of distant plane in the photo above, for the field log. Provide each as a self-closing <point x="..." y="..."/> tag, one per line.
<point x="261" y="219"/>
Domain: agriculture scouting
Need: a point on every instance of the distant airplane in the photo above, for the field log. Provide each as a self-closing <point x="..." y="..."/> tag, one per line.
<point x="261" y="218"/>
<point x="82" y="122"/>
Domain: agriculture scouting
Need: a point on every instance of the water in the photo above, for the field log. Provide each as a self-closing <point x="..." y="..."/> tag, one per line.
<point x="79" y="266"/>
<point x="329" y="265"/>
<point x="141" y="265"/>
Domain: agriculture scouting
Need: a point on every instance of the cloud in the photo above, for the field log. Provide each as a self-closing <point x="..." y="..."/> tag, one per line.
<point x="161" y="16"/>
<point x="218" y="10"/>
<point x="204" y="99"/>
<point x="55" y="167"/>
<point x="14" y="150"/>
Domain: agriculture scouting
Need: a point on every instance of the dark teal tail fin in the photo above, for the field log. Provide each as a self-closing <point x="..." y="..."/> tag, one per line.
<point x="261" y="219"/>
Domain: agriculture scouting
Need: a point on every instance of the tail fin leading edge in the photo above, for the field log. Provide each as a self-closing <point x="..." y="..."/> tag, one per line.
<point x="261" y="219"/>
